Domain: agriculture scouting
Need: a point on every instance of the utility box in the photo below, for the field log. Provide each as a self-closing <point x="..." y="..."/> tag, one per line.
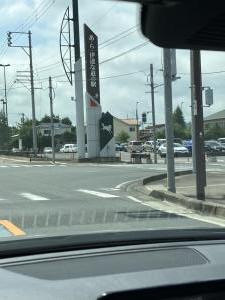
<point x="209" y="96"/>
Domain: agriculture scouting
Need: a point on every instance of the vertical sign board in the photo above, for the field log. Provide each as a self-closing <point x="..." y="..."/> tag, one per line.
<point x="93" y="106"/>
<point x="107" y="140"/>
<point x="209" y="96"/>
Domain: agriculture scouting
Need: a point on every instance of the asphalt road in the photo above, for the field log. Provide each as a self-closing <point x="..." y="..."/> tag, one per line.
<point x="46" y="199"/>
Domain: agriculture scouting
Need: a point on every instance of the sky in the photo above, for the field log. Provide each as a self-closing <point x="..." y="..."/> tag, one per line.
<point x="123" y="80"/>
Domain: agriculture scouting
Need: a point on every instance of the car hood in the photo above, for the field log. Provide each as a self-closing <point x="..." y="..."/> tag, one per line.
<point x="180" y="148"/>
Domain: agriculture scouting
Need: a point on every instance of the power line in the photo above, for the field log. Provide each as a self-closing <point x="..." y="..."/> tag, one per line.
<point x="118" y="34"/>
<point x="104" y="15"/>
<point x="28" y="24"/>
<point x="116" y="40"/>
<point x="115" y="37"/>
<point x="206" y="73"/>
<point x="124" y="53"/>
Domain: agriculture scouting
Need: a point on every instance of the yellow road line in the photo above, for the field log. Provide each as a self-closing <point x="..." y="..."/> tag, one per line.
<point x="12" y="228"/>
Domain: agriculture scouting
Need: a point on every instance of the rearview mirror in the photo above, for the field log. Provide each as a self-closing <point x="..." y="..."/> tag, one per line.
<point x="185" y="24"/>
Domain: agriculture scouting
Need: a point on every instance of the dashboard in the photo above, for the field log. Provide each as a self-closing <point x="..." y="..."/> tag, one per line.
<point x="181" y="270"/>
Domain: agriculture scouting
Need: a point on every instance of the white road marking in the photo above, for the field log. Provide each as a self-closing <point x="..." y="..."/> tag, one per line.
<point x="180" y="211"/>
<point x="123" y="183"/>
<point x="13" y="159"/>
<point x="33" y="197"/>
<point x="98" y="194"/>
<point x="15" y="166"/>
<point x="134" y="199"/>
<point x="109" y="189"/>
<point x="4" y="166"/>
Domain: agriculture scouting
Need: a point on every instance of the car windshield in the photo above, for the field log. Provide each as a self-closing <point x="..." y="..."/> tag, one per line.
<point x="213" y="143"/>
<point x="84" y="122"/>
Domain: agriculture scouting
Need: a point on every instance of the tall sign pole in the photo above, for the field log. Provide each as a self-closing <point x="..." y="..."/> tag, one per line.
<point x="78" y="83"/>
<point x="93" y="106"/>
<point x="169" y="120"/>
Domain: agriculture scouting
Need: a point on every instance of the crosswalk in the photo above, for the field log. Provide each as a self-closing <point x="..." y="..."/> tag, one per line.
<point x="14" y="166"/>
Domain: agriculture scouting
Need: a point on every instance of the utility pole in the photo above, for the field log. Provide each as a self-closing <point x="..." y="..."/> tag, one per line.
<point x="32" y="96"/>
<point x="29" y="54"/>
<point x="198" y="124"/>
<point x="78" y="83"/>
<point x="169" y="120"/>
<point x="153" y="111"/>
<point x="5" y="89"/>
<point x="192" y="114"/>
<point x="137" y="128"/>
<point x="52" y="121"/>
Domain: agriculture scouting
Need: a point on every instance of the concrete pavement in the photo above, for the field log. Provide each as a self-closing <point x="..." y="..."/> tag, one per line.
<point x="67" y="198"/>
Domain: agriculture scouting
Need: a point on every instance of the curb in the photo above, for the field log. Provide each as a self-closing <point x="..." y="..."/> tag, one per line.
<point x="203" y="207"/>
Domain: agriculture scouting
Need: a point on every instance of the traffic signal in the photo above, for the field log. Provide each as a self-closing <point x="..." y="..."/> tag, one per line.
<point x="144" y="118"/>
<point x="9" y="34"/>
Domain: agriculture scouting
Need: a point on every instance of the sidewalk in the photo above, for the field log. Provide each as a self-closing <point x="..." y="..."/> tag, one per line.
<point x="186" y="185"/>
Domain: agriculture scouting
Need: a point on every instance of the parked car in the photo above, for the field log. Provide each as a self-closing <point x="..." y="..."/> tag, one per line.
<point x="188" y="145"/>
<point x="221" y="141"/>
<point x="214" y="147"/>
<point x="135" y="146"/>
<point x="149" y="146"/>
<point x="118" y="147"/>
<point x="179" y="150"/>
<point x="47" y="150"/>
<point x="161" y="141"/>
<point x="69" y="148"/>
<point x="178" y="141"/>
<point x="124" y="146"/>
<point x="15" y="150"/>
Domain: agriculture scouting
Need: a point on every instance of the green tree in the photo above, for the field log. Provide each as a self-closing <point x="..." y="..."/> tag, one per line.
<point x="25" y="133"/>
<point x="161" y="134"/>
<point x="214" y="132"/>
<point x="47" y="119"/>
<point x="178" y="117"/>
<point x="4" y="132"/>
<point x="122" y="137"/>
<point x="66" y="121"/>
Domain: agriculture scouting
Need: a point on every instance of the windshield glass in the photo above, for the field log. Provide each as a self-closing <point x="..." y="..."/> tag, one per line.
<point x="213" y="143"/>
<point x="83" y="117"/>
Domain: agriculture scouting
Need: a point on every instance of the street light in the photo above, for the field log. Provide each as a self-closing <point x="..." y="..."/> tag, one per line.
<point x="6" y="102"/>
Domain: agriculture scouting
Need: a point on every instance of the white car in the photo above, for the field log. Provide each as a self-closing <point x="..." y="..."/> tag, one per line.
<point x="47" y="150"/>
<point x="149" y="146"/>
<point x="69" y="148"/>
<point x="179" y="150"/>
<point x="135" y="146"/>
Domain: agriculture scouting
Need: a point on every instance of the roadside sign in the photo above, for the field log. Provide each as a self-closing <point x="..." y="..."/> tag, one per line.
<point x="91" y="63"/>
<point x="209" y="96"/>
<point x="106" y="129"/>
